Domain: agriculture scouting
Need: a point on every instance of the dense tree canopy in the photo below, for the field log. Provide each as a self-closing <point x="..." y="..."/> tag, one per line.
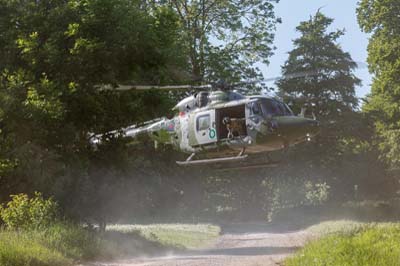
<point x="224" y="39"/>
<point x="330" y="69"/>
<point x="54" y="53"/>
<point x="381" y="19"/>
<point x="328" y="87"/>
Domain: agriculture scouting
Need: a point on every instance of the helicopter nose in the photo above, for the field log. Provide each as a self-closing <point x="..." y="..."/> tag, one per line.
<point x="297" y="128"/>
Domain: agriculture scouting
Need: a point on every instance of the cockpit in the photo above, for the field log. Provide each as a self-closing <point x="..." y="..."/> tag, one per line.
<point x="270" y="107"/>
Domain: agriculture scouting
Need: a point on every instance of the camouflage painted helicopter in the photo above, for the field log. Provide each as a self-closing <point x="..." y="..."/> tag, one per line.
<point x="222" y="124"/>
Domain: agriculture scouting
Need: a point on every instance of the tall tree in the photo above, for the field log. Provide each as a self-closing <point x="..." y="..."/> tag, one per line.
<point x="381" y="18"/>
<point x="224" y="39"/>
<point x="329" y="83"/>
<point x="53" y="53"/>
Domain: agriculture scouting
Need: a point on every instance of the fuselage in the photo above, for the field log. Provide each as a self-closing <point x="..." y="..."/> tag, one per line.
<point x="226" y="121"/>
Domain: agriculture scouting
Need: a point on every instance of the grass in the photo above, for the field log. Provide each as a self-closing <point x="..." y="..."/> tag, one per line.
<point x="58" y="245"/>
<point x="27" y="249"/>
<point x="343" y="227"/>
<point x="347" y="243"/>
<point x="181" y="236"/>
<point x="66" y="244"/>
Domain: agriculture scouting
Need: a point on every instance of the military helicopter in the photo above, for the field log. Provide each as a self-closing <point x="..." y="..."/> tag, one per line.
<point x="221" y="124"/>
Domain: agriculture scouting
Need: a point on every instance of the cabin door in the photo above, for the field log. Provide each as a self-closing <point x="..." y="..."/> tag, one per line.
<point x="205" y="130"/>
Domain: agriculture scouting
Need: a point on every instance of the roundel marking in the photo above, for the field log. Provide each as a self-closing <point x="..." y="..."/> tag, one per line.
<point x="212" y="133"/>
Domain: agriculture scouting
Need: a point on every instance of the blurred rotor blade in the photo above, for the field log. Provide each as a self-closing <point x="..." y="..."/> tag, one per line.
<point x="360" y="65"/>
<point x="288" y="76"/>
<point x="291" y="76"/>
<point x="121" y="87"/>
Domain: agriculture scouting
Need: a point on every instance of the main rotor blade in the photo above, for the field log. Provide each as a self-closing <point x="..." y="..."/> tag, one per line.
<point x="288" y="76"/>
<point x="292" y="76"/>
<point x="121" y="87"/>
<point x="359" y="65"/>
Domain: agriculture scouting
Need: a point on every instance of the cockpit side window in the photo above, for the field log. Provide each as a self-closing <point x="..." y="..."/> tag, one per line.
<point x="202" y="99"/>
<point x="281" y="108"/>
<point x="255" y="108"/>
<point x="275" y="108"/>
<point x="288" y="110"/>
<point x="270" y="107"/>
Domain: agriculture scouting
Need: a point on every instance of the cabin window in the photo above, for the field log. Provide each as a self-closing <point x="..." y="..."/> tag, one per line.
<point x="255" y="108"/>
<point x="203" y="122"/>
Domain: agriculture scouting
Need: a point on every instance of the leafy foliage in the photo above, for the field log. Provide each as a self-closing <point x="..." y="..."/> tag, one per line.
<point x="328" y="89"/>
<point x="54" y="53"/>
<point x="317" y="194"/>
<point x="380" y="18"/>
<point x="53" y="56"/>
<point x="330" y="83"/>
<point x="23" y="212"/>
<point x="224" y="39"/>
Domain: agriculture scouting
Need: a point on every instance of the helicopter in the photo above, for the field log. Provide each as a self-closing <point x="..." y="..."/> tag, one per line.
<point x="221" y="124"/>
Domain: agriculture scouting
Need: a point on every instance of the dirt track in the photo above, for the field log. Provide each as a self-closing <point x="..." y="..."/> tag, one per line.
<point x="236" y="247"/>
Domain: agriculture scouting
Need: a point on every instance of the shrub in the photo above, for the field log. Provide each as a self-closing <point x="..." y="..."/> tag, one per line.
<point x="293" y="193"/>
<point x="35" y="236"/>
<point x="23" y="212"/>
<point x="316" y="194"/>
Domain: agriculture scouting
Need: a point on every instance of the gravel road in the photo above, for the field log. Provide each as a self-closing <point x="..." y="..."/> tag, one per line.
<point x="240" y="246"/>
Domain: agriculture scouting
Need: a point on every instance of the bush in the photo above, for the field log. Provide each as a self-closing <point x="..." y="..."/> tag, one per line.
<point x="35" y="236"/>
<point x="316" y="194"/>
<point x="294" y="193"/>
<point x="27" y="213"/>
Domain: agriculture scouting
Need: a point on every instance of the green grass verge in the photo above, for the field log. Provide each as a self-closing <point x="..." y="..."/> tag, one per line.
<point x="58" y="245"/>
<point x="182" y="236"/>
<point x="351" y="244"/>
<point x="66" y="245"/>
<point x="27" y="249"/>
<point x="343" y="227"/>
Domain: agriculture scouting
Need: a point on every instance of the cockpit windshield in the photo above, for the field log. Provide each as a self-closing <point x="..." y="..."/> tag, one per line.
<point x="275" y="108"/>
